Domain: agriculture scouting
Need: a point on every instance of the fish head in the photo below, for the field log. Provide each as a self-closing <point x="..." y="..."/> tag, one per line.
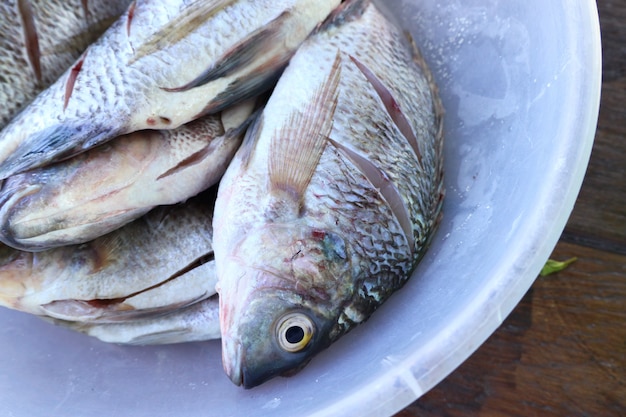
<point x="274" y="337"/>
<point x="282" y="291"/>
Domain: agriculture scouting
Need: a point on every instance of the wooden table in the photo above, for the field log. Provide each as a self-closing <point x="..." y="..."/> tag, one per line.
<point x="562" y="351"/>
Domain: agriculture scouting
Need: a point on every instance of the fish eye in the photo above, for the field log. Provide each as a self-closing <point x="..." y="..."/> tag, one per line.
<point x="294" y="331"/>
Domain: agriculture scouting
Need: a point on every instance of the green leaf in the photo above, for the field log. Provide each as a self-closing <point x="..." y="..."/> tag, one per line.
<point x="553" y="266"/>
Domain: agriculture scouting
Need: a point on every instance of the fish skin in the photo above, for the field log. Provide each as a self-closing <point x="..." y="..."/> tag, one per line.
<point x="60" y="30"/>
<point x="98" y="191"/>
<point x="160" y="263"/>
<point x="136" y="76"/>
<point x="194" y="323"/>
<point x="318" y="223"/>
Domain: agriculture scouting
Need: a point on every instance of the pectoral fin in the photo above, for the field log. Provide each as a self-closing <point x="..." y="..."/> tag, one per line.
<point x="254" y="48"/>
<point x="296" y="149"/>
<point x="246" y="87"/>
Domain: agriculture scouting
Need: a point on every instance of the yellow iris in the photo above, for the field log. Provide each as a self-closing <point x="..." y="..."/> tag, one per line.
<point x="294" y="331"/>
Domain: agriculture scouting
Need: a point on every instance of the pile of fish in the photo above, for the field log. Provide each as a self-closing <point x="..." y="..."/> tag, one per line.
<point x="319" y="120"/>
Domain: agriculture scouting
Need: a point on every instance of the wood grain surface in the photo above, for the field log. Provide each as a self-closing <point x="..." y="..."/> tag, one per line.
<point x="562" y="351"/>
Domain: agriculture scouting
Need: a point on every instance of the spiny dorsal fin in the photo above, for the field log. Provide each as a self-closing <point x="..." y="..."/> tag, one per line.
<point x="296" y="149"/>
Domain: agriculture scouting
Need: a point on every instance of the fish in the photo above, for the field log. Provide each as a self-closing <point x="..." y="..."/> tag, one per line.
<point x="160" y="65"/>
<point x="195" y="323"/>
<point x="87" y="196"/>
<point x="333" y="197"/>
<point x="156" y="265"/>
<point x="41" y="39"/>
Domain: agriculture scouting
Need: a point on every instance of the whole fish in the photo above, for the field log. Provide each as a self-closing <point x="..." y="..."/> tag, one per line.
<point x="331" y="201"/>
<point x="158" y="264"/>
<point x="197" y="322"/>
<point x="161" y="65"/>
<point x="41" y="39"/>
<point x="94" y="193"/>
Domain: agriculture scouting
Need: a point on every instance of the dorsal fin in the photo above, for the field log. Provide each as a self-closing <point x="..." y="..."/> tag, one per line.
<point x="248" y="50"/>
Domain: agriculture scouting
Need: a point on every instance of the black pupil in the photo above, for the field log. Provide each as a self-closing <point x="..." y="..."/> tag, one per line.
<point x="294" y="334"/>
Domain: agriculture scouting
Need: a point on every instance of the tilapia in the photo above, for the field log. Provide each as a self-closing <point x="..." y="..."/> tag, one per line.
<point x="161" y="65"/>
<point x="41" y="39"/>
<point x="333" y="197"/>
<point x="153" y="266"/>
<point x="96" y="192"/>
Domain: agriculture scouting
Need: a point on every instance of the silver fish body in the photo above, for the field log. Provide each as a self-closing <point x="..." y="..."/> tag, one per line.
<point x="98" y="191"/>
<point x="158" y="264"/>
<point x="331" y="201"/>
<point x="162" y="64"/>
<point x="41" y="39"/>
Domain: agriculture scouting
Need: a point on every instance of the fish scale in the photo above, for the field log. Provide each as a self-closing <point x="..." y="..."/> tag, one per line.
<point x="372" y="221"/>
<point x="54" y="20"/>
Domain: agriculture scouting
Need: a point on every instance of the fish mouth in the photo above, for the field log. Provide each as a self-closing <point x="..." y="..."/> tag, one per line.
<point x="232" y="360"/>
<point x="9" y="200"/>
<point x="239" y="371"/>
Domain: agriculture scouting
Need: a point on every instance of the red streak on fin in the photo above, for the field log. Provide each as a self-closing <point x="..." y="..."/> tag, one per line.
<point x="318" y="234"/>
<point x="71" y="80"/>
<point x="104" y="303"/>
<point x="85" y="4"/>
<point x="393" y="109"/>
<point x="131" y="15"/>
<point x="31" y="39"/>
